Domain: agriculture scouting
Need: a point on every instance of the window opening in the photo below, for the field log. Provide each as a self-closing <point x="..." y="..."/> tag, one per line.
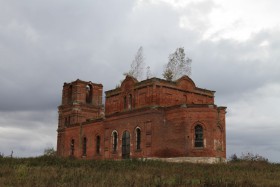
<point x="89" y="94"/>
<point x="130" y="101"/>
<point x="124" y="102"/>
<point x="84" y="146"/>
<point x="198" y="136"/>
<point x="115" y="141"/>
<point x="69" y="120"/>
<point x="69" y="97"/>
<point x="98" y="144"/>
<point x="138" y="139"/>
<point x="65" y="121"/>
<point x="72" y="146"/>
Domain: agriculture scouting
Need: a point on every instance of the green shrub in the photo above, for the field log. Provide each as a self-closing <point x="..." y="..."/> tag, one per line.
<point x="49" y="152"/>
<point x="248" y="157"/>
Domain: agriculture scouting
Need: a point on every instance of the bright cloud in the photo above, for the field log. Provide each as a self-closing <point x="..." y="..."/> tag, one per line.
<point x="221" y="19"/>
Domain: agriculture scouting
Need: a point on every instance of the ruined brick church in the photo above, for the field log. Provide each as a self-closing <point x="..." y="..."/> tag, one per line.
<point x="153" y="118"/>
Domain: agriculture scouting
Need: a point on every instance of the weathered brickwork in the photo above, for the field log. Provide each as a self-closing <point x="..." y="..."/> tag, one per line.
<point x="152" y="118"/>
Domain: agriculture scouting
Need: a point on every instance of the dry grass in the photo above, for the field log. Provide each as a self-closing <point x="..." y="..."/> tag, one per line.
<point x="52" y="171"/>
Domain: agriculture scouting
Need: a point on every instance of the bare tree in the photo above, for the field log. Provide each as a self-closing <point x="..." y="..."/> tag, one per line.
<point x="177" y="66"/>
<point x="137" y="66"/>
<point x="148" y="73"/>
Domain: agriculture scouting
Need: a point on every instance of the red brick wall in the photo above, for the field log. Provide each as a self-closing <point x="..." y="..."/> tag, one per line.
<point x="155" y="92"/>
<point x="175" y="133"/>
<point x="165" y="112"/>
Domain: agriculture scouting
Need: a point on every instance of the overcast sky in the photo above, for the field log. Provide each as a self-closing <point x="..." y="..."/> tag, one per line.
<point x="234" y="46"/>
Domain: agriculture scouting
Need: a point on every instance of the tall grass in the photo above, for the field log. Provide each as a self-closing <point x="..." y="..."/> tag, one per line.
<point x="52" y="171"/>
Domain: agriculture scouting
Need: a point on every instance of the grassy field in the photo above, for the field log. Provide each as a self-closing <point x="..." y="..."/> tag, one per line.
<point x="52" y="171"/>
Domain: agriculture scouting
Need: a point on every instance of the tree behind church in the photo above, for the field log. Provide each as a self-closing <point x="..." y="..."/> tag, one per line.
<point x="177" y="66"/>
<point x="137" y="66"/>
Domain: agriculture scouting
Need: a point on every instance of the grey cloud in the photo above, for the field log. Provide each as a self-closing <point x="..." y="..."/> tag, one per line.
<point x="234" y="68"/>
<point x="66" y="47"/>
<point x="196" y="15"/>
<point x="46" y="43"/>
<point x="262" y="141"/>
<point x="29" y="119"/>
<point x="27" y="133"/>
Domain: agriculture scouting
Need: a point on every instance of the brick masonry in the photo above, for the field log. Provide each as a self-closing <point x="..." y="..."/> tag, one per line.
<point x="153" y="118"/>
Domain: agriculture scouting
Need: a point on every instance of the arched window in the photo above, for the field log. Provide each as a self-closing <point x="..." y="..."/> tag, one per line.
<point x="198" y="136"/>
<point x="138" y="139"/>
<point x="124" y="102"/>
<point x="69" y="95"/>
<point x="72" y="147"/>
<point x="115" y="141"/>
<point x="84" y="146"/>
<point x="130" y="101"/>
<point x="98" y="144"/>
<point x="89" y="94"/>
<point x="69" y="120"/>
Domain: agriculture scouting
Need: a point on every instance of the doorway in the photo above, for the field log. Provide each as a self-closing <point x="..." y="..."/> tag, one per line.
<point x="125" y="145"/>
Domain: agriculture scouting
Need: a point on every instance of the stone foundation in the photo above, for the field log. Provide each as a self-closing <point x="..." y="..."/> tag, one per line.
<point x="205" y="160"/>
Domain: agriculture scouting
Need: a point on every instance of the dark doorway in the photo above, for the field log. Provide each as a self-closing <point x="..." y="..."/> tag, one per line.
<point x="125" y="145"/>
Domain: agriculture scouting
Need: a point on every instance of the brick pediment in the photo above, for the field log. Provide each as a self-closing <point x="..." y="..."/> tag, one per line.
<point x="185" y="83"/>
<point x="128" y="83"/>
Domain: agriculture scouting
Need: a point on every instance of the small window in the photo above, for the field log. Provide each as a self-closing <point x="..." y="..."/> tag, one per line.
<point x="138" y="139"/>
<point x="72" y="147"/>
<point x="198" y="136"/>
<point x="69" y="96"/>
<point x="124" y="103"/>
<point x="130" y="101"/>
<point x="84" y="146"/>
<point x="89" y="94"/>
<point x="115" y="141"/>
<point x="97" y="144"/>
<point x="67" y="120"/>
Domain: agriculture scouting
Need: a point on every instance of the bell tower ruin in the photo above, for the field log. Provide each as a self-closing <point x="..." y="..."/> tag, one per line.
<point x="81" y="101"/>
